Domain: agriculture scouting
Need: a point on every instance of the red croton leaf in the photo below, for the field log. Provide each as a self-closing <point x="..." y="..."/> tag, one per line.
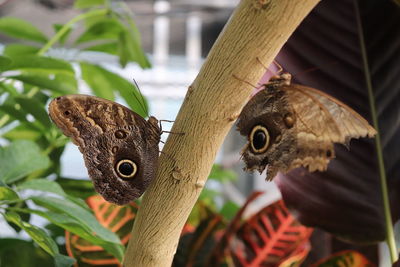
<point x="194" y="246"/>
<point x="270" y="237"/>
<point x="220" y="251"/>
<point x="347" y="258"/>
<point x="118" y="219"/>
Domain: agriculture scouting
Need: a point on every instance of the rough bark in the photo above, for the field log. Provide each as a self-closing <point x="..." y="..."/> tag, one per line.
<point x="257" y="29"/>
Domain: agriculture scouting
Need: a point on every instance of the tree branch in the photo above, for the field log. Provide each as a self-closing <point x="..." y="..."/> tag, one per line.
<point x="257" y="28"/>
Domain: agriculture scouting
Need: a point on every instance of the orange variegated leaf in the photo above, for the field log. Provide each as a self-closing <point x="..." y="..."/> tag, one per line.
<point x="347" y="258"/>
<point x="220" y="250"/>
<point x="298" y="256"/>
<point x="118" y="219"/>
<point x="194" y="246"/>
<point x="268" y="238"/>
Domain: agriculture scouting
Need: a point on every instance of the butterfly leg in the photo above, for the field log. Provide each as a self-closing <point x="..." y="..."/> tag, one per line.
<point x="237" y="78"/>
<point x="162" y="131"/>
<point x="178" y="133"/>
<point x="159" y="123"/>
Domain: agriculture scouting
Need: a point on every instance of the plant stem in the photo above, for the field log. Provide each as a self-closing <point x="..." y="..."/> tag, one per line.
<point x="68" y="25"/>
<point x="390" y="240"/>
<point x="213" y="102"/>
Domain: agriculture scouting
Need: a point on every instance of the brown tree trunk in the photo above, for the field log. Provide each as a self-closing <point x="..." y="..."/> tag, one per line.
<point x="257" y="29"/>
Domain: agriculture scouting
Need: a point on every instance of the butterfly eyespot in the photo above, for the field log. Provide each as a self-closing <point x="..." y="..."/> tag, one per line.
<point x="67" y="113"/>
<point x="259" y="139"/>
<point x="126" y="168"/>
<point x="120" y="134"/>
<point x="289" y="120"/>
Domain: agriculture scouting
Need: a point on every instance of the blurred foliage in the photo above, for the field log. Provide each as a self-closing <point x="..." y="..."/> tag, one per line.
<point x="31" y="74"/>
<point x="270" y="237"/>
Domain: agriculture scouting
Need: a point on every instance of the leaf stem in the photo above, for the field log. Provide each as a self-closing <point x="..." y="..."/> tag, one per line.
<point x="390" y="240"/>
<point x="68" y="25"/>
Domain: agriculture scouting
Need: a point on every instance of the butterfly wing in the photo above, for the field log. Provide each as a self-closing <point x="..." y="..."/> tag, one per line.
<point x="268" y="110"/>
<point x="303" y="124"/>
<point x="120" y="148"/>
<point x="326" y="117"/>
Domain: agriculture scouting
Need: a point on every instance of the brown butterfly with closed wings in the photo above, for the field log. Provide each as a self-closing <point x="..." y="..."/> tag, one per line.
<point x="290" y="126"/>
<point x="120" y="148"/>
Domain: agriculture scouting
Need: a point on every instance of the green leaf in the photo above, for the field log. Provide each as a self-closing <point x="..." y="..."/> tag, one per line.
<point x="63" y="37"/>
<point x="74" y="226"/>
<point x="14" y="112"/>
<point x="13" y="50"/>
<point x="21" y="29"/>
<point x="63" y="261"/>
<point x="78" y="213"/>
<point x="109" y="48"/>
<point x="107" y="28"/>
<point x="84" y="217"/>
<point x="39" y="64"/>
<point x="34" y="107"/>
<point x="38" y="235"/>
<point x="229" y="210"/>
<point x="7" y="194"/>
<point x="15" y="206"/>
<point x="207" y="196"/>
<point x="46" y="185"/>
<point x="129" y="49"/>
<point x="4" y="62"/>
<point x="23" y="132"/>
<point x="77" y="187"/>
<point x="17" y="252"/>
<point x="97" y="81"/>
<point x="42" y="185"/>
<point x="9" y="89"/>
<point x="88" y="3"/>
<point x="220" y="174"/>
<point x="19" y="159"/>
<point x="60" y="83"/>
<point x="102" y="81"/>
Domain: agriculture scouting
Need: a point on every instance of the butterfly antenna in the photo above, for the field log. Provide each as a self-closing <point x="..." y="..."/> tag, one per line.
<point x="313" y="69"/>
<point x="237" y="78"/>
<point x="141" y="100"/>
